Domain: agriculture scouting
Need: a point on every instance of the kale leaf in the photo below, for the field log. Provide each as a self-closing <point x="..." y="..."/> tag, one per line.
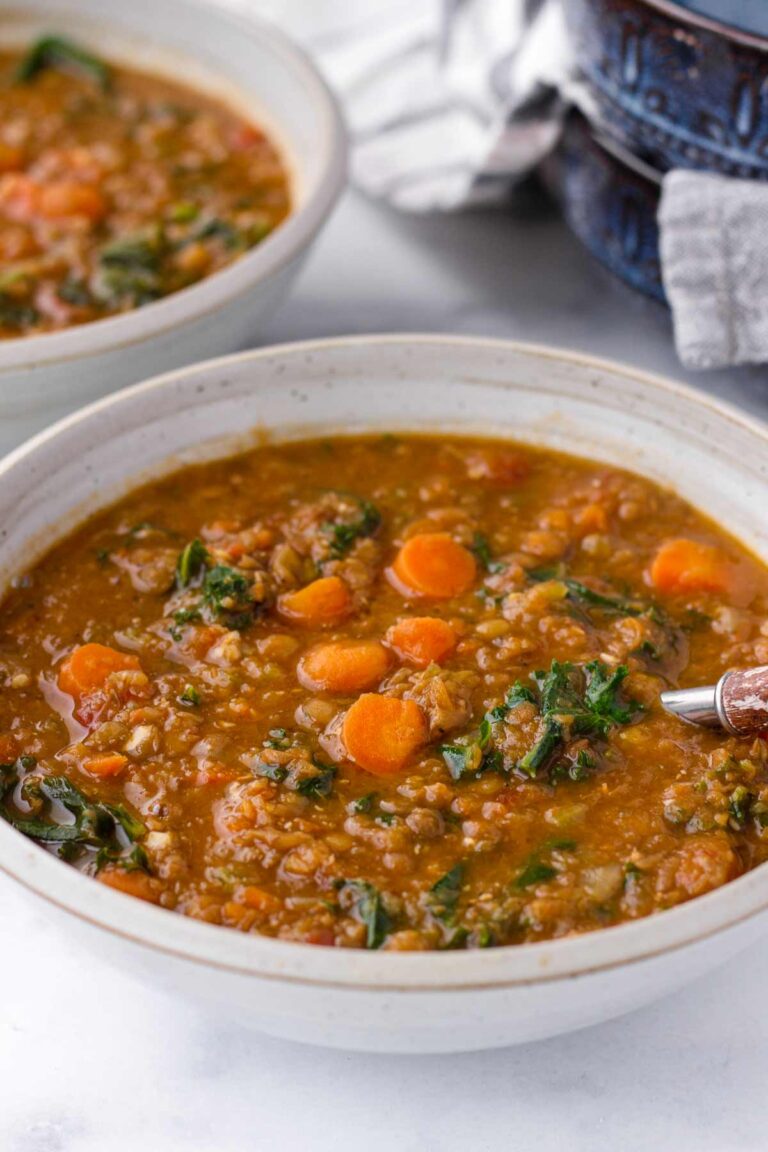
<point x="190" y="564"/>
<point x="584" y="596"/>
<point x="370" y="911"/>
<point x="443" y="896"/>
<point x="577" y="701"/>
<point x="130" y="267"/>
<point x="109" y="829"/>
<point x="320" y="784"/>
<point x="54" y="52"/>
<point x="481" y="548"/>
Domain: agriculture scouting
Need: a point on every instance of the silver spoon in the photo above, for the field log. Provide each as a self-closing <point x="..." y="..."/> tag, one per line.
<point x="738" y="703"/>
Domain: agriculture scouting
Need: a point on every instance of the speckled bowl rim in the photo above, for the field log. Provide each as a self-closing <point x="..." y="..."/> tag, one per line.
<point x="214" y="293"/>
<point x="254" y="956"/>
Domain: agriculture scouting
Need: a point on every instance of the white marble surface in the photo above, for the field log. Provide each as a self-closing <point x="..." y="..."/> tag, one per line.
<point x="91" y="1060"/>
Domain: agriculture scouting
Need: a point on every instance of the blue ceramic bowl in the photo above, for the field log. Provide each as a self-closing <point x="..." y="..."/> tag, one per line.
<point x="610" y="200"/>
<point x="676" y="88"/>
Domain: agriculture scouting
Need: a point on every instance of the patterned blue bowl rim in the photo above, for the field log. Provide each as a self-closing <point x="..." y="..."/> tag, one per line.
<point x="708" y="23"/>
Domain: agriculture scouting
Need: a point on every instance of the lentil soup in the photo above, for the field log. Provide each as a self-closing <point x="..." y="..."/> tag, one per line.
<point x="118" y="188"/>
<point x="395" y="692"/>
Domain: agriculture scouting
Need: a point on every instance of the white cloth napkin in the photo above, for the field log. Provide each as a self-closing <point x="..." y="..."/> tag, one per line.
<point x="450" y="102"/>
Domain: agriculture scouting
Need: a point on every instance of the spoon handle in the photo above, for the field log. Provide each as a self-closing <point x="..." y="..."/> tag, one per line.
<point x="738" y="703"/>
<point x="743" y="699"/>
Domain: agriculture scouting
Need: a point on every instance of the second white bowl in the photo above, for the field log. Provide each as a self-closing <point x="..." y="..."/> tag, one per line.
<point x="240" y="59"/>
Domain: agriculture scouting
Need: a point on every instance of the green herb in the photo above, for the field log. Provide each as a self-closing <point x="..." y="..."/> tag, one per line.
<point x="538" y="871"/>
<point x="550" y="738"/>
<point x="54" y="52"/>
<point x="364" y="803"/>
<point x="135" y="861"/>
<point x="740" y="805"/>
<point x="276" y="772"/>
<point x="443" y="896"/>
<point x="218" y="229"/>
<point x="96" y="826"/>
<point x="577" y="702"/>
<point x="369" y="909"/>
<point x="611" y="604"/>
<point x="227" y="593"/>
<point x="183" y="211"/>
<point x="344" y="535"/>
<point x="278" y="739"/>
<point x="461" y="759"/>
<point x="581" y="594"/>
<point x="75" y="292"/>
<point x="181" y="617"/>
<point x="102" y="555"/>
<point x="518" y="694"/>
<point x="481" y="548"/>
<point x="572" y="701"/>
<point x="535" y="872"/>
<point x="14" y="314"/>
<point x="190" y="696"/>
<point x="473" y="754"/>
<point x="190" y="564"/>
<point x="483" y="937"/>
<point x="130" y="267"/>
<point x="319" y="785"/>
<point x="604" y="707"/>
<point x="578" y="769"/>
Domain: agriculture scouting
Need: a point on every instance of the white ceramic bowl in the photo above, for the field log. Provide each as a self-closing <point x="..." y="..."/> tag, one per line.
<point x="382" y="1001"/>
<point x="236" y="57"/>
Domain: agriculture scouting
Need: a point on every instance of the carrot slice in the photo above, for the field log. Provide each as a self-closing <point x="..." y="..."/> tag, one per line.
<point x="432" y="564"/>
<point x="422" y="640"/>
<point x="258" y="898"/>
<point x="683" y="565"/>
<point x="381" y="733"/>
<point x="65" y="198"/>
<point x="87" y="668"/>
<point x="344" y="666"/>
<point x="134" y="883"/>
<point x="111" y="764"/>
<point x="324" y="601"/>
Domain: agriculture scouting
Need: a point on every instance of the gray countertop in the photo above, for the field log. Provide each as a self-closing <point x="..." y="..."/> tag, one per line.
<point x="519" y="276"/>
<point x="91" y="1059"/>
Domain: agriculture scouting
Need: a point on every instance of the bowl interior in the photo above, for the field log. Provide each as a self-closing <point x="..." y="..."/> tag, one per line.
<point x="185" y="51"/>
<point x="714" y="457"/>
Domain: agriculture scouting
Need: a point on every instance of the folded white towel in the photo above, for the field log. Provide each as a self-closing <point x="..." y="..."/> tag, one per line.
<point x="714" y="254"/>
<point x="448" y="101"/>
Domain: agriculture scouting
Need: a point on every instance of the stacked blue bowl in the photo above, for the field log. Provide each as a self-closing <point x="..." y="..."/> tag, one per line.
<point x="669" y="85"/>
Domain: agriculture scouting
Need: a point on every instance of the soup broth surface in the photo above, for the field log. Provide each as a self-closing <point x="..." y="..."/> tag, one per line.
<point x="118" y="188"/>
<point x="391" y="691"/>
